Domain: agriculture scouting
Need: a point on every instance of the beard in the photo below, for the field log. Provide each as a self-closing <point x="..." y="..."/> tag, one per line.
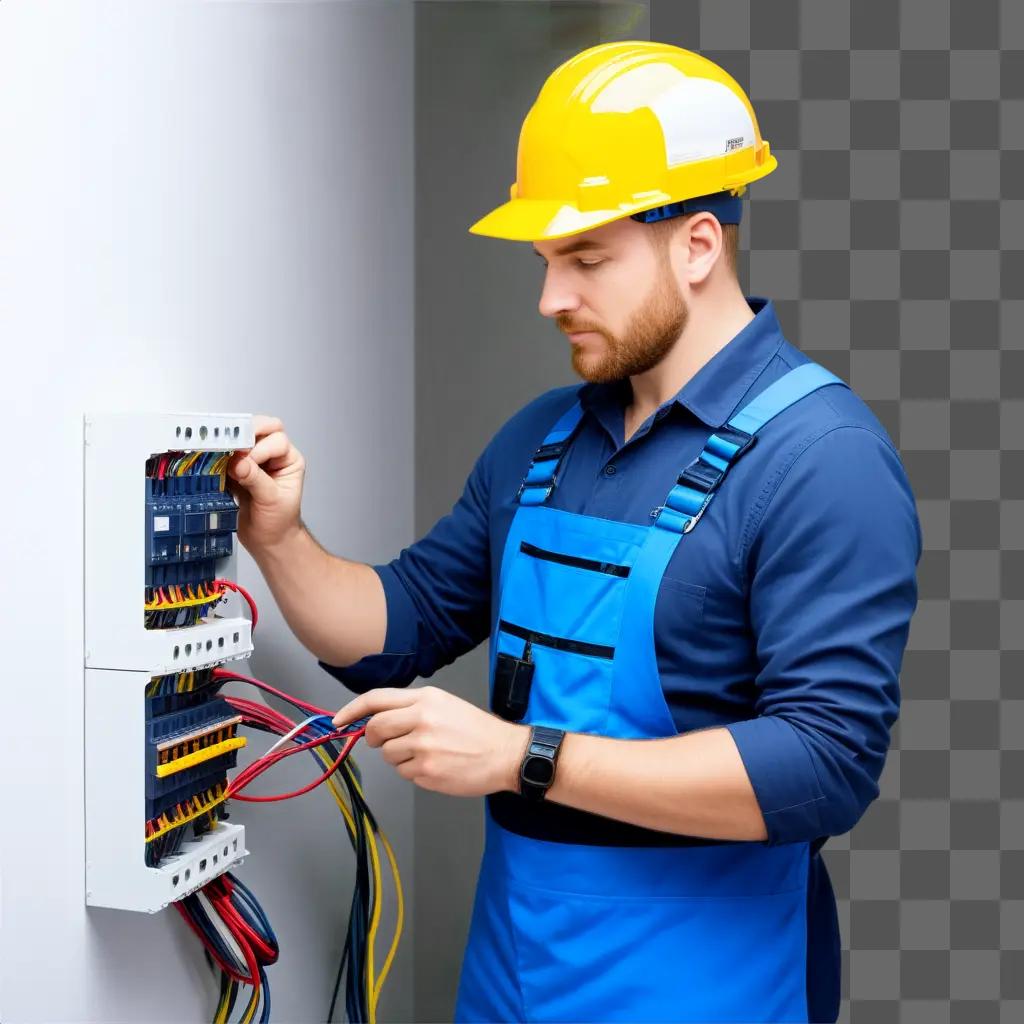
<point x="647" y="338"/>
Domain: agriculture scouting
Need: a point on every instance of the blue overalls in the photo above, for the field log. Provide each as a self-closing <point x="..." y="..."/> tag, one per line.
<point x="578" y="917"/>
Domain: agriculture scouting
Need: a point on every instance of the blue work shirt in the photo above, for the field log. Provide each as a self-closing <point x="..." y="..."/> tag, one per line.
<point x="783" y="616"/>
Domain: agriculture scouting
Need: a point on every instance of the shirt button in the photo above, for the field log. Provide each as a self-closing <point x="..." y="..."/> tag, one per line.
<point x="609" y="471"/>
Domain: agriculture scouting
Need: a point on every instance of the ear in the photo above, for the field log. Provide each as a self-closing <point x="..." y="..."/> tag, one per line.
<point x="704" y="244"/>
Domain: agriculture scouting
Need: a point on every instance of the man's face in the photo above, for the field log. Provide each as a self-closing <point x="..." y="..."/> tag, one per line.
<point x="612" y="292"/>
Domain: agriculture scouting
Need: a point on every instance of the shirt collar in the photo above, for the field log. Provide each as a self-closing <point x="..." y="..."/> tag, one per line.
<point x="715" y="390"/>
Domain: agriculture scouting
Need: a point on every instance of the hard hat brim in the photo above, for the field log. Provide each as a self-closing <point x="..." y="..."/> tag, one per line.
<point x="532" y="220"/>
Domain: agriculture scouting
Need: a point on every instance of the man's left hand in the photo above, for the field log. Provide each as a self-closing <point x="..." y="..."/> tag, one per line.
<point x="440" y="741"/>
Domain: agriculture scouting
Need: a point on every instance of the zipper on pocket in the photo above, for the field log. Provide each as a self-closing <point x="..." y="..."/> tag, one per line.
<point x="609" y="568"/>
<point x="561" y="643"/>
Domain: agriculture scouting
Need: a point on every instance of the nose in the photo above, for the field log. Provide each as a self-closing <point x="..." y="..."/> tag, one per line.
<point x="557" y="296"/>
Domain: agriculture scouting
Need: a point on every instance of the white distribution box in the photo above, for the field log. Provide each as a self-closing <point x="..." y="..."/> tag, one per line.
<point x="121" y="656"/>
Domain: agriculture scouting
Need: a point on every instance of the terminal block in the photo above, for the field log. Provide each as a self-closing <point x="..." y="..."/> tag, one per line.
<point x="160" y="741"/>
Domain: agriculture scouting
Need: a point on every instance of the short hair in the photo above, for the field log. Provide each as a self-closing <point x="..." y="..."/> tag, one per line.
<point x="663" y="230"/>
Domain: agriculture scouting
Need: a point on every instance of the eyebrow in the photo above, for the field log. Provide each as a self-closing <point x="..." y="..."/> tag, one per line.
<point x="580" y="246"/>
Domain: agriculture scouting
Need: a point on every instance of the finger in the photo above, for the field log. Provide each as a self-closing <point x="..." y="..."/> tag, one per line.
<point x="245" y="472"/>
<point x="263" y="425"/>
<point x="385" y="698"/>
<point x="272" y="446"/>
<point x="389" y="725"/>
<point x="277" y="463"/>
<point x="399" y="750"/>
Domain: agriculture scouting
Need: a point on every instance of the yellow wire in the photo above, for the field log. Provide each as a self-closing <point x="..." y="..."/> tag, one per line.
<point x="182" y="603"/>
<point x="336" y="792"/>
<point x="399" y="916"/>
<point x="185" y="820"/>
<point x="186" y="463"/>
<point x="250" y="1010"/>
<point x="375" y="992"/>
<point x="374" y="919"/>
<point x="221" y="1016"/>
<point x="373" y="987"/>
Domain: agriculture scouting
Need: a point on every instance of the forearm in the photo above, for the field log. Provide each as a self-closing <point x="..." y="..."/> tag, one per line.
<point x="693" y="784"/>
<point x="334" y="606"/>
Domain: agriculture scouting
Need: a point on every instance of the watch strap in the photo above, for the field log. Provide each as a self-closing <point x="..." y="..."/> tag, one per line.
<point x="545" y="743"/>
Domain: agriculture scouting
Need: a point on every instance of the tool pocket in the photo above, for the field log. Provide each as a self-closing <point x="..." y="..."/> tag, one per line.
<point x="510" y="695"/>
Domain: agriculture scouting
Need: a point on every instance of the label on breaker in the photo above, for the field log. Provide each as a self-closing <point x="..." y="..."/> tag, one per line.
<point x="161" y="524"/>
<point x="213" y="520"/>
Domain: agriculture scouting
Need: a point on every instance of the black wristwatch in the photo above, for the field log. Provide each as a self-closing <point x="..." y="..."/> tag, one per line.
<point x="537" y="770"/>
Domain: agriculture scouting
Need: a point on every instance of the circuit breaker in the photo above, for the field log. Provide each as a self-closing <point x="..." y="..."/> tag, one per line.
<point x="159" y="545"/>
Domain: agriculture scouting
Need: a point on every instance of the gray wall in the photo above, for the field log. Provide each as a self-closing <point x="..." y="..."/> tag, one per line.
<point x="482" y="348"/>
<point x="190" y="219"/>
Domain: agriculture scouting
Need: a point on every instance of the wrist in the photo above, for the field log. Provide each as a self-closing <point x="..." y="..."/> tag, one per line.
<point x="281" y="548"/>
<point x="519" y="740"/>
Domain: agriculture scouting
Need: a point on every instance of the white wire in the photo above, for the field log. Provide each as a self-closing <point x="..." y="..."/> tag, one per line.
<point x="292" y="733"/>
<point x="225" y="932"/>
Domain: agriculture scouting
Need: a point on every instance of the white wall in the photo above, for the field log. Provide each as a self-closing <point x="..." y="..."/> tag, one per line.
<point x="202" y="206"/>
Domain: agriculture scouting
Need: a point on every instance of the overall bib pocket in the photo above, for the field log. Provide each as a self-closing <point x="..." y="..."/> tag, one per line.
<point x="568" y="593"/>
<point x="560" y="681"/>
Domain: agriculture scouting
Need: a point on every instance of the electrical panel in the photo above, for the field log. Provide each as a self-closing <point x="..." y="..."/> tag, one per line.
<point x="160" y="551"/>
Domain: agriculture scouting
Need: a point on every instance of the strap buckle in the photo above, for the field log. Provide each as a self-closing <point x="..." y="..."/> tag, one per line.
<point x="548" y="451"/>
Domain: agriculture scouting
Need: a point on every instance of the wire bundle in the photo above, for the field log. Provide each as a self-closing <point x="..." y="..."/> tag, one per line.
<point x="162" y="470"/>
<point x="177" y="683"/>
<point x="237" y="938"/>
<point x="170" y="607"/>
<point x="166" y="832"/>
<point x="174" y="606"/>
<point x="331" y="748"/>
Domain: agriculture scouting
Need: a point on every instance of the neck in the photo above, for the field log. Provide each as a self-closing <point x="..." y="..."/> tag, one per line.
<point x="711" y="324"/>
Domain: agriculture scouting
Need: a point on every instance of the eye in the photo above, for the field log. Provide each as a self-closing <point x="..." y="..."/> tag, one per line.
<point x="590" y="264"/>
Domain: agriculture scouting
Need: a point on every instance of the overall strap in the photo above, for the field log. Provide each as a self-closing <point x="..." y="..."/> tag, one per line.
<point x="697" y="483"/>
<point x="542" y="476"/>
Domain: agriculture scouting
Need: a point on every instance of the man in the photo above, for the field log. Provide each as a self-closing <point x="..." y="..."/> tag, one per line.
<point x="697" y="572"/>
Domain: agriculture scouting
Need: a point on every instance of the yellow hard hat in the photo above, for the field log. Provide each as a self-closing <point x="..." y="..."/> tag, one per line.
<point x="623" y="128"/>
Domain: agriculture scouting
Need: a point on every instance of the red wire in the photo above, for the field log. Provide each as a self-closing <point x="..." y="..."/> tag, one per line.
<point x="260" y="765"/>
<point x="222" y="904"/>
<point x="228" y="915"/>
<point x="221" y="673"/>
<point x="262" y="712"/>
<point x="264" y="952"/>
<point x="248" y="598"/>
<point x="221" y="963"/>
<point x="267" y="718"/>
<point x="346" y="750"/>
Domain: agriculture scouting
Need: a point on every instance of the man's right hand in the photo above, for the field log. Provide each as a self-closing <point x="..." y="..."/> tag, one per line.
<point x="266" y="481"/>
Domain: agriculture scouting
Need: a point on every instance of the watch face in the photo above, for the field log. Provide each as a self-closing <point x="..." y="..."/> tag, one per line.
<point x="538" y="770"/>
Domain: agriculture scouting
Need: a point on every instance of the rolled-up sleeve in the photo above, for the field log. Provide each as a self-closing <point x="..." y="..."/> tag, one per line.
<point x="832" y="569"/>
<point x="437" y="592"/>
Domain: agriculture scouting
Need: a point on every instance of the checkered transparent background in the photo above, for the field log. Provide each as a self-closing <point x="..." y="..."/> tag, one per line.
<point x="891" y="238"/>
